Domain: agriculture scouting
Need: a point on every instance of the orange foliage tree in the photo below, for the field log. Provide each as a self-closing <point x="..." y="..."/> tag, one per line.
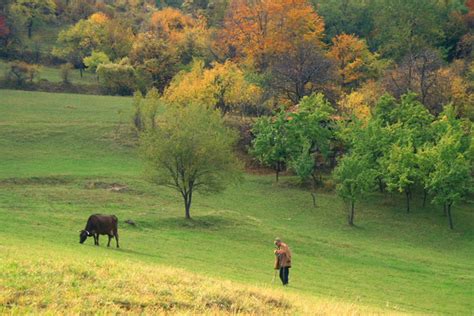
<point x="256" y="29"/>
<point x="189" y="36"/>
<point x="352" y="58"/>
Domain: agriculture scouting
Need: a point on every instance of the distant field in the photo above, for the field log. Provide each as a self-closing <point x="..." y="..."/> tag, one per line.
<point x="59" y="154"/>
<point x="53" y="74"/>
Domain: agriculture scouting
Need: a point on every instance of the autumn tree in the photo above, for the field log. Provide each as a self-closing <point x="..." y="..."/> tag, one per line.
<point x="97" y="33"/>
<point x="300" y="72"/>
<point x="255" y="30"/>
<point x="417" y="73"/>
<point x="31" y="12"/>
<point x="156" y="57"/>
<point x="190" y="37"/>
<point x="191" y="150"/>
<point x="353" y="60"/>
<point x="222" y="87"/>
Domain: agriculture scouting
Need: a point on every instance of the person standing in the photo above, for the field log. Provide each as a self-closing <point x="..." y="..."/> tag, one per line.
<point x="282" y="260"/>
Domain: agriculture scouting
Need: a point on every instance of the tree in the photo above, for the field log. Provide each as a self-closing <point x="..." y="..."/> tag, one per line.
<point x="451" y="177"/>
<point x="300" y="72"/>
<point x="190" y="37"/>
<point x="30" y="12"/>
<point x="95" y="59"/>
<point x="402" y="172"/>
<point x="254" y="30"/>
<point x="352" y="58"/>
<point x="191" y="150"/>
<point x="156" y="57"/>
<point x="313" y="130"/>
<point x="355" y="179"/>
<point x="418" y="73"/>
<point x="405" y="27"/>
<point x="97" y="33"/>
<point x="273" y="144"/>
<point x="223" y="87"/>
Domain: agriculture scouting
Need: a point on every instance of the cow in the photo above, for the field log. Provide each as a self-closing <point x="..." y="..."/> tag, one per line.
<point x="98" y="224"/>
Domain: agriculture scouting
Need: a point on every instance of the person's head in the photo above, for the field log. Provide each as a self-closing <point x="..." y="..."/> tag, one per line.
<point x="277" y="242"/>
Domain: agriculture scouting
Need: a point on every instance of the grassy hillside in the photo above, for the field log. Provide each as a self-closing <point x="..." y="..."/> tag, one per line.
<point x="61" y="154"/>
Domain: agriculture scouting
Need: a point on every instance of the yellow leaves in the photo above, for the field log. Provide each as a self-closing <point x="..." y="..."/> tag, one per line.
<point x="223" y="86"/>
<point x="99" y="18"/>
<point x="359" y="102"/>
<point x="170" y="20"/>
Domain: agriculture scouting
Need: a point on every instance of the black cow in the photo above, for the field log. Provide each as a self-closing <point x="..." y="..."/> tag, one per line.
<point x="100" y="225"/>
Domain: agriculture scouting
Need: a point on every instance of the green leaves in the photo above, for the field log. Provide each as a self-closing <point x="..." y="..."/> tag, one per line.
<point x="190" y="150"/>
<point x="295" y="139"/>
<point x="355" y="177"/>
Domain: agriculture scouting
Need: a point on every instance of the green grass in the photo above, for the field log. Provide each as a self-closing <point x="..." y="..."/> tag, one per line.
<point x="54" y="147"/>
<point x="53" y="74"/>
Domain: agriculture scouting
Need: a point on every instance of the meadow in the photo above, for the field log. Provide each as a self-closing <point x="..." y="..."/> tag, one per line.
<point x="60" y="155"/>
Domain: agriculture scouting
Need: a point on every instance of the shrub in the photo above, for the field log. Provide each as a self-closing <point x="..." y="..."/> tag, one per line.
<point x="117" y="78"/>
<point x="21" y="71"/>
<point x="66" y="72"/>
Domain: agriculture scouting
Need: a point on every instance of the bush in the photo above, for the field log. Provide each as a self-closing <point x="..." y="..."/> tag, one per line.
<point x="21" y="71"/>
<point x="117" y="78"/>
<point x="66" y="72"/>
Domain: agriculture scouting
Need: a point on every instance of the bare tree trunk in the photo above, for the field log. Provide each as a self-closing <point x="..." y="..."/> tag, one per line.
<point x="407" y="193"/>
<point x="30" y="28"/>
<point x="313" y="195"/>
<point x="351" y="216"/>
<point x="187" y="197"/>
<point x="380" y="184"/>
<point x="450" y="218"/>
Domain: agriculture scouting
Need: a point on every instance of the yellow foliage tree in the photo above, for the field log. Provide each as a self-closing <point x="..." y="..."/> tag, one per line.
<point x="359" y="102"/>
<point x="223" y="86"/>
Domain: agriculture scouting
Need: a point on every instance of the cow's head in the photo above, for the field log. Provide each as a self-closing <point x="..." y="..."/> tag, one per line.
<point x="83" y="235"/>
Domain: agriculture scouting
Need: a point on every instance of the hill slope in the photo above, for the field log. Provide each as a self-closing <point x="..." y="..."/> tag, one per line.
<point x="61" y="154"/>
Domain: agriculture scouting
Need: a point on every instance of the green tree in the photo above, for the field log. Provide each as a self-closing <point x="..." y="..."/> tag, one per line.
<point x="30" y="12"/>
<point x="95" y="59"/>
<point x="273" y="143"/>
<point x="404" y="27"/>
<point x="355" y="178"/>
<point x="191" y="150"/>
<point x="451" y="178"/>
<point x="401" y="170"/>
<point x="312" y="130"/>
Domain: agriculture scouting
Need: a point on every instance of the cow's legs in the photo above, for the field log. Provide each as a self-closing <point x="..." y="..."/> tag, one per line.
<point x="110" y="237"/>
<point x="116" y="239"/>
<point x="97" y="239"/>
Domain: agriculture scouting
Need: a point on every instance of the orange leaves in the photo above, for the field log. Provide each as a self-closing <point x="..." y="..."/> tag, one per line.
<point x="99" y="18"/>
<point x="256" y="29"/>
<point x="169" y="21"/>
<point x="351" y="55"/>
